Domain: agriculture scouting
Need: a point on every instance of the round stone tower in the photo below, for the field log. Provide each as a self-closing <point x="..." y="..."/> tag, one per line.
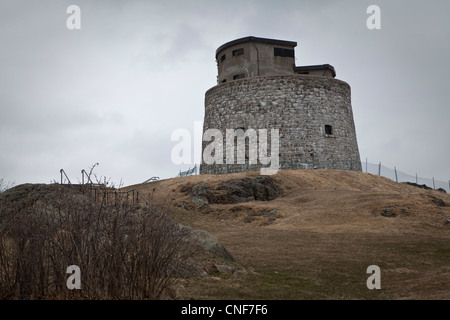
<point x="299" y="116"/>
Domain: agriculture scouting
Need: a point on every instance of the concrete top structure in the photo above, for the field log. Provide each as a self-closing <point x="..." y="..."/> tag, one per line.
<point x="324" y="70"/>
<point x="253" y="56"/>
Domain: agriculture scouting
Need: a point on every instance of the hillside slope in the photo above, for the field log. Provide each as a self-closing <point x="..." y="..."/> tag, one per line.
<point x="317" y="237"/>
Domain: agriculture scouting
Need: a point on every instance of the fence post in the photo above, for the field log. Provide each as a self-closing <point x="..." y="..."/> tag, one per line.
<point x="434" y="186"/>
<point x="417" y="181"/>
<point x="396" y="178"/>
<point x="379" y="169"/>
<point x="366" y="164"/>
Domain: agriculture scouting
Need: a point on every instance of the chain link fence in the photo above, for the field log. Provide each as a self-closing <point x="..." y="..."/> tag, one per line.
<point x="400" y="176"/>
<point x="376" y="169"/>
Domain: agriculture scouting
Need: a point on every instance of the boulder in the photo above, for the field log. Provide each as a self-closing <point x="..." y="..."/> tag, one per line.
<point x="265" y="188"/>
<point x="238" y="190"/>
<point x="438" y="202"/>
<point x="206" y="241"/>
<point x="261" y="188"/>
<point x="388" y="213"/>
<point x="201" y="190"/>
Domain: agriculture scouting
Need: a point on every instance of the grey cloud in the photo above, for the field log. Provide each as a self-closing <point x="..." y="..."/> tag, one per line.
<point x="114" y="91"/>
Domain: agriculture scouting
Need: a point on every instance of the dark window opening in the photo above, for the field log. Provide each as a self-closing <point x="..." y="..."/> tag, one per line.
<point x="224" y="80"/>
<point x="239" y="76"/>
<point x="304" y="72"/>
<point x="223" y="58"/>
<point x="282" y="52"/>
<point x="238" y="52"/>
<point x="328" y="129"/>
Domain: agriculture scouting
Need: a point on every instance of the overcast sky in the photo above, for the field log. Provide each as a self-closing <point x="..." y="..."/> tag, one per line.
<point x="114" y="91"/>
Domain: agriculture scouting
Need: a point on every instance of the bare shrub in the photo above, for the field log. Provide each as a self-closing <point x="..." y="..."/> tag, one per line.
<point x="124" y="250"/>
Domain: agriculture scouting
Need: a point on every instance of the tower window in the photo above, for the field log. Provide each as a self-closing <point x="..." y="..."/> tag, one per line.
<point x="239" y="76"/>
<point x="328" y="129"/>
<point x="282" y="52"/>
<point x="238" y="52"/>
<point x="222" y="58"/>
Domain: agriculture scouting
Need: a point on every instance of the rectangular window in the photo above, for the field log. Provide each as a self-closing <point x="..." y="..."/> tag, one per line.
<point x="223" y="58"/>
<point x="238" y="52"/>
<point x="239" y="76"/>
<point x="282" y="52"/>
<point x="328" y="130"/>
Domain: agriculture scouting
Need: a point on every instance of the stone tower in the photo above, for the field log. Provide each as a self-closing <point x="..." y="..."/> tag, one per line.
<point x="259" y="87"/>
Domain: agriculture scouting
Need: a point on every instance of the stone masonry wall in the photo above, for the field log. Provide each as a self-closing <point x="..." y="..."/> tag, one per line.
<point x="299" y="106"/>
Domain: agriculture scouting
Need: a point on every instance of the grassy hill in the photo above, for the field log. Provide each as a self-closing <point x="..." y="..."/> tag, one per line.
<point x="316" y="237"/>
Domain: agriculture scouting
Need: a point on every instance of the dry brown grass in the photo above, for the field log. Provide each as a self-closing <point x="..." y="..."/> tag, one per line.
<point x="328" y="230"/>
